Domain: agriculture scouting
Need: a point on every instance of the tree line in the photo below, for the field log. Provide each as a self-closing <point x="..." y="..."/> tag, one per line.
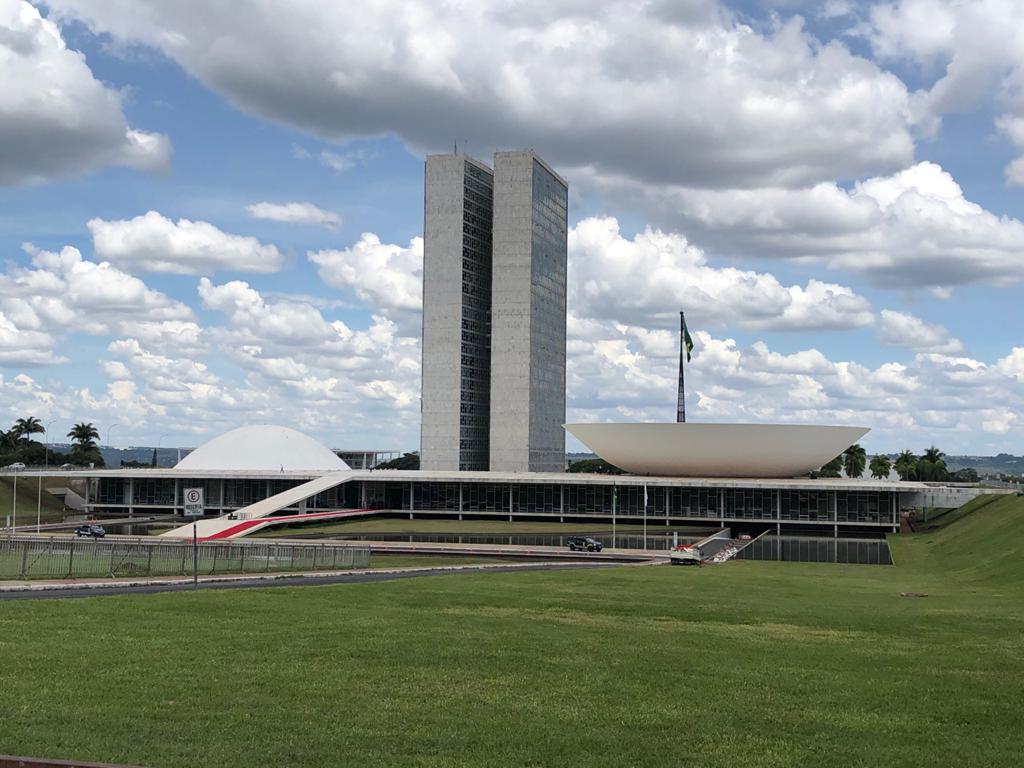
<point x="18" y="446"/>
<point x="929" y="466"/>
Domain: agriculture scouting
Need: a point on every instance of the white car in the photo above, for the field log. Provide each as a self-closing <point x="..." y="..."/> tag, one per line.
<point x="16" y="465"/>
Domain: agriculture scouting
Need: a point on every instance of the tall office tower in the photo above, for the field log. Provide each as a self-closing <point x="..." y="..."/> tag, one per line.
<point x="528" y="315"/>
<point x="456" y="368"/>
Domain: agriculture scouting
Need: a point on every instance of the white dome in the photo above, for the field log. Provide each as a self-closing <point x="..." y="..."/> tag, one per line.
<point x="263" y="448"/>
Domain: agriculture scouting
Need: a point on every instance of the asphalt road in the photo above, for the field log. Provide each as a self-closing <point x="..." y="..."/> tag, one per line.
<point x="356" y="577"/>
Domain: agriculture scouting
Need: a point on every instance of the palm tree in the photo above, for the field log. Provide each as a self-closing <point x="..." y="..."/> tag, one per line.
<point x="906" y="465"/>
<point x="880" y="466"/>
<point x="84" y="434"/>
<point x="25" y="428"/>
<point x="854" y="459"/>
<point x="833" y="468"/>
<point x="932" y="466"/>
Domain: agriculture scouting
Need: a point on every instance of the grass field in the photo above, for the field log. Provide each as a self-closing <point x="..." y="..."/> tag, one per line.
<point x="426" y="525"/>
<point x="430" y="561"/>
<point x="52" y="509"/>
<point x="746" y="664"/>
<point x="941" y="518"/>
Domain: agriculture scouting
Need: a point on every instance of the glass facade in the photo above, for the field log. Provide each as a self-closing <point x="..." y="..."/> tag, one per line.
<point x="811" y="505"/>
<point x="159" y="492"/>
<point x="547" y="320"/>
<point x="111" y="490"/>
<point x="750" y="504"/>
<point x="474" y="395"/>
<point x="864" y="507"/>
<point x="805" y="505"/>
<point x="536" y="498"/>
<point x="762" y="504"/>
<point x="485" y="497"/>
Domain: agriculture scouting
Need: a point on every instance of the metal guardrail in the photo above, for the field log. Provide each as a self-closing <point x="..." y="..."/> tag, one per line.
<point x="65" y="558"/>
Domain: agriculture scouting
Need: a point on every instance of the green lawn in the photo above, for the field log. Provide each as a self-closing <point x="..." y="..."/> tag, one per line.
<point x="940" y="518"/>
<point x="745" y="664"/>
<point x="430" y="561"/>
<point x="396" y="525"/>
<point x="52" y="509"/>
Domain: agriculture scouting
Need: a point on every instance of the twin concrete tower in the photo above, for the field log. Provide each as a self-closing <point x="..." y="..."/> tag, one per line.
<point x="494" y="286"/>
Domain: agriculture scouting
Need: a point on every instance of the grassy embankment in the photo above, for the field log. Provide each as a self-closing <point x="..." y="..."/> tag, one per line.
<point x="52" y="509"/>
<point x="941" y="518"/>
<point x="750" y="663"/>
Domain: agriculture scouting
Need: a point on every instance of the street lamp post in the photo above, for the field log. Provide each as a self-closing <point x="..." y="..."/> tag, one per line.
<point x="159" y="440"/>
<point x="46" y="445"/>
<point x="14" y="504"/>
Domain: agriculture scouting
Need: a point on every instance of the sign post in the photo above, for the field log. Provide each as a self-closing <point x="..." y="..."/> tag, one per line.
<point x="194" y="508"/>
<point x="194" y="503"/>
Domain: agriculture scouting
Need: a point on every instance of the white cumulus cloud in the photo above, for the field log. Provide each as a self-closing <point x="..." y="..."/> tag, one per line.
<point x="63" y="292"/>
<point x="56" y="118"/>
<point x="901" y="329"/>
<point x="384" y="276"/>
<point x="976" y="46"/>
<point x="660" y="91"/>
<point x="295" y="213"/>
<point x="645" y="280"/>
<point x="154" y="243"/>
<point x="911" y="229"/>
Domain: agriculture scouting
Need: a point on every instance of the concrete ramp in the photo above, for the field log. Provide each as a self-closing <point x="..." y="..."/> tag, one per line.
<point x="219" y="527"/>
<point x="241" y="528"/>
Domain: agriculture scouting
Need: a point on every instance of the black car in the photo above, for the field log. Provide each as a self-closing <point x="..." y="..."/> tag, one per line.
<point x="584" y="544"/>
<point x="93" y="531"/>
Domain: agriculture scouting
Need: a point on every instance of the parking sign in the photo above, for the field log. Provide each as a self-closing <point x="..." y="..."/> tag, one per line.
<point x="194" y="502"/>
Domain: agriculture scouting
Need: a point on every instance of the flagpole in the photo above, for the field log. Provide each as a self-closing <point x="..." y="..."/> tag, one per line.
<point x="645" y="517"/>
<point x="681" y="397"/>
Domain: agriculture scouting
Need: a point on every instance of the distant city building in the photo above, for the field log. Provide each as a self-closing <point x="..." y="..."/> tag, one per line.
<point x="362" y="459"/>
<point x="494" y="301"/>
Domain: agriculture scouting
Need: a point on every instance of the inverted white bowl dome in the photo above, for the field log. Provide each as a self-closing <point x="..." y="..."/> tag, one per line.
<point x="701" y="449"/>
<point x="263" y="448"/>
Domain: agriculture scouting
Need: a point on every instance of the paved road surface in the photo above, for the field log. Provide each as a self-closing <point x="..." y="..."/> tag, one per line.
<point x="356" y="577"/>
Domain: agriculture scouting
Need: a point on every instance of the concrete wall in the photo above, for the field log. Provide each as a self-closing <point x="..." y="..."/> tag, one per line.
<point x="455" y="408"/>
<point x="946" y="496"/>
<point x="528" y="316"/>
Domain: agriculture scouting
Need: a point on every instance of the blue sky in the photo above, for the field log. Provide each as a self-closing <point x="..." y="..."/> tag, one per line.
<point x="829" y="190"/>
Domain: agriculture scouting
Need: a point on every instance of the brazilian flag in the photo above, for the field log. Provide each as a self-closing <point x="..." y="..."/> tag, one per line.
<point x="687" y="341"/>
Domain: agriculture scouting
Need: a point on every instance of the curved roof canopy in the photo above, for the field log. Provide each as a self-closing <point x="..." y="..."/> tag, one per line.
<point x="716" y="450"/>
<point x="263" y="448"/>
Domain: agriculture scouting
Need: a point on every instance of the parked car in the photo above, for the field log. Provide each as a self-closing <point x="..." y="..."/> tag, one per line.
<point x="584" y="544"/>
<point x="92" y="531"/>
<point x="16" y="465"/>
